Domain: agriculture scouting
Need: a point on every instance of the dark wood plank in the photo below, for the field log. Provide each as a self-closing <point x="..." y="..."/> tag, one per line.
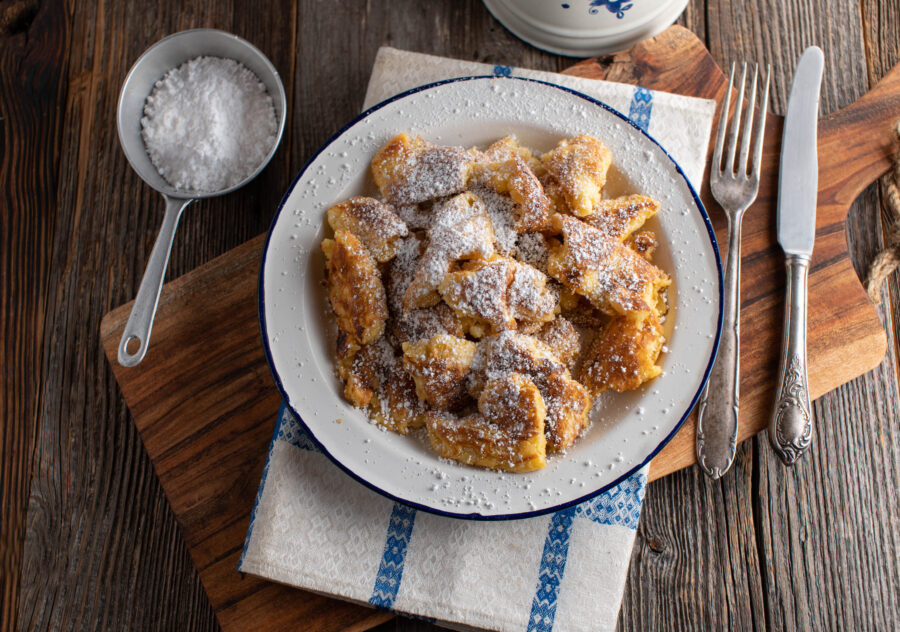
<point x="32" y="70"/>
<point x="103" y="548"/>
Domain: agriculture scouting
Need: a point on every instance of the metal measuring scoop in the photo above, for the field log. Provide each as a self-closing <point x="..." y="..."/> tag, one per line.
<point x="166" y="54"/>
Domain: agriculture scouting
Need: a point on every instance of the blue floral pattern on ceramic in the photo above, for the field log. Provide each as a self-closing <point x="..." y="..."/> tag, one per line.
<point x="619" y="7"/>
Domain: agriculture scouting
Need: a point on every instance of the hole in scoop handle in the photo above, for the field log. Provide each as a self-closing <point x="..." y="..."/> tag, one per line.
<point x="140" y="322"/>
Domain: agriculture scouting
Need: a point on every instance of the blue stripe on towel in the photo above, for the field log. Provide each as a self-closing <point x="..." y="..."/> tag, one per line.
<point x="282" y="412"/>
<point x="553" y="565"/>
<point x="390" y="573"/>
<point x="620" y="505"/>
<point x="641" y="108"/>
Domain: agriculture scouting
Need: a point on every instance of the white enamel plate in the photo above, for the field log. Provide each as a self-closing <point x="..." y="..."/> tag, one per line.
<point x="627" y="429"/>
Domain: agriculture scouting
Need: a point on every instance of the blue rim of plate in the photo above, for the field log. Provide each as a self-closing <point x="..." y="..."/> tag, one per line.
<point x="478" y="516"/>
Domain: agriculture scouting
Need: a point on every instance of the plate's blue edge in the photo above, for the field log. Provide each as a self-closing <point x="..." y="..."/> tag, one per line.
<point x="478" y="516"/>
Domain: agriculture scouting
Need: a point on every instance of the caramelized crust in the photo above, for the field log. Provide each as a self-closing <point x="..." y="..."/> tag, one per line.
<point x="374" y="223"/>
<point x="410" y="171"/>
<point x="579" y="166"/>
<point x="568" y="408"/>
<point x="507" y="434"/>
<point x="614" y="278"/>
<point x="438" y="366"/>
<point x="561" y="336"/>
<point x="624" y="355"/>
<point x="644" y="243"/>
<point x="619" y="218"/>
<point x="354" y="288"/>
<point x="399" y="409"/>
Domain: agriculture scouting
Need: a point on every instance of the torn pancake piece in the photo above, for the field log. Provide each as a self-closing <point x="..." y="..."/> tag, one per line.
<point x="624" y="355"/>
<point x="412" y="170"/>
<point x="614" y="278"/>
<point x="355" y="290"/>
<point x="439" y="367"/>
<point x="579" y="166"/>
<point x="506" y="434"/>
<point x="373" y="222"/>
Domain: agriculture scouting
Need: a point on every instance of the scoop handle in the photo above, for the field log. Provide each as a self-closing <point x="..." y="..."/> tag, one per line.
<point x="140" y="322"/>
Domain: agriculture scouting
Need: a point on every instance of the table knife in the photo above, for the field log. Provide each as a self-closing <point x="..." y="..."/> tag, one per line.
<point x="790" y="427"/>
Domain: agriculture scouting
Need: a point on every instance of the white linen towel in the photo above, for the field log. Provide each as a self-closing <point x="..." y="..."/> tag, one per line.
<point x="316" y="528"/>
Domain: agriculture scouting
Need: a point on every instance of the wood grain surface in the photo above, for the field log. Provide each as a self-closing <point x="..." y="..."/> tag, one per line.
<point x="768" y="547"/>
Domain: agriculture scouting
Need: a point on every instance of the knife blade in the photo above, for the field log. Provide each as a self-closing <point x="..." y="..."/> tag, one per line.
<point x="798" y="175"/>
<point x="790" y="426"/>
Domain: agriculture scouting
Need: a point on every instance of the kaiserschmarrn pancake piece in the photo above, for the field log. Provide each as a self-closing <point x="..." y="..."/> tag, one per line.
<point x="373" y="222"/>
<point x="614" y="278"/>
<point x="514" y="177"/>
<point x="568" y="408"/>
<point x="428" y="322"/>
<point x="561" y="336"/>
<point x="620" y="217"/>
<point x="355" y="289"/>
<point x="568" y="403"/>
<point x="398" y="408"/>
<point x="374" y="379"/>
<point x="508" y="148"/>
<point x="438" y="366"/>
<point x="412" y="170"/>
<point x="579" y="166"/>
<point x="356" y="370"/>
<point x="461" y="230"/>
<point x="510" y="352"/>
<point x="507" y="434"/>
<point x="494" y="293"/>
<point x="624" y="354"/>
<point x="479" y="292"/>
<point x="530" y="298"/>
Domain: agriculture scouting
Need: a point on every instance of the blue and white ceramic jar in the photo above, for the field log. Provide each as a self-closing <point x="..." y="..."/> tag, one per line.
<point x="584" y="28"/>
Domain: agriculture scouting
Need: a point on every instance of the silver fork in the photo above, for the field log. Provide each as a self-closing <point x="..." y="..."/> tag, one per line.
<point x="734" y="186"/>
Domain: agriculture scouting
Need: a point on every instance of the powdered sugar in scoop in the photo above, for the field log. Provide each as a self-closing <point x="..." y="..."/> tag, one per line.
<point x="208" y="124"/>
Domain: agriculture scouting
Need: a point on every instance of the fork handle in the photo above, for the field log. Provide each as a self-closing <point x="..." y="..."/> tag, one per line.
<point x="717" y="415"/>
<point x="790" y="429"/>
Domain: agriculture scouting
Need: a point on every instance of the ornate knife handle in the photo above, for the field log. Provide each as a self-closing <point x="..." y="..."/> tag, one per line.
<point x="790" y="429"/>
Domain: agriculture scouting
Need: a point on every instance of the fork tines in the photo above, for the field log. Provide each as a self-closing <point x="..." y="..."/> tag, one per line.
<point x="743" y="168"/>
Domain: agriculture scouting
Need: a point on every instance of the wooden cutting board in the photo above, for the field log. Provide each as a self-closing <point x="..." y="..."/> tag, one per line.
<point x="204" y="402"/>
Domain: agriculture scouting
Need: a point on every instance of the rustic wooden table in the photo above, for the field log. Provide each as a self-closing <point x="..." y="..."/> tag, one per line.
<point x="86" y="537"/>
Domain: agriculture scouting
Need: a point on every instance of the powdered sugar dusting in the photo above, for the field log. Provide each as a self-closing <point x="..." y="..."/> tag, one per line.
<point x="208" y="124"/>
